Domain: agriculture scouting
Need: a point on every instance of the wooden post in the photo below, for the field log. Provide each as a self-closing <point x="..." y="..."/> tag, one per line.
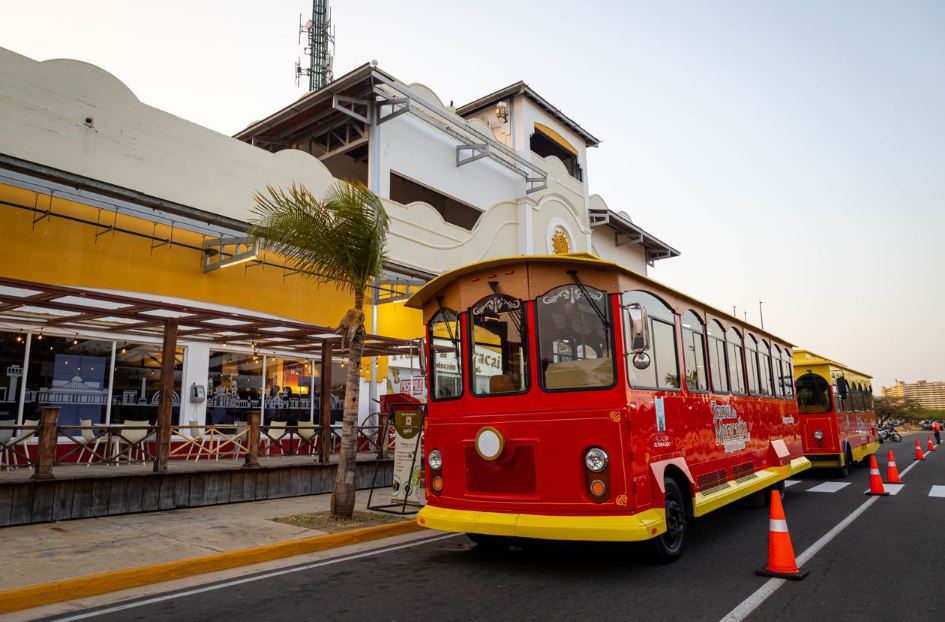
<point x="252" y="440"/>
<point x="166" y="404"/>
<point x="325" y="409"/>
<point x="48" y="435"/>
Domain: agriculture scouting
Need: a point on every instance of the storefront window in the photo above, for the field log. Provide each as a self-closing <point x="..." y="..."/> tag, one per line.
<point x="288" y="390"/>
<point x="138" y="383"/>
<point x="234" y="386"/>
<point x="70" y="373"/>
<point x="12" y="348"/>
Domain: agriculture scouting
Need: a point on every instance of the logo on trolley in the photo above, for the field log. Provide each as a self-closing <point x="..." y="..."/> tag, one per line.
<point x="731" y="432"/>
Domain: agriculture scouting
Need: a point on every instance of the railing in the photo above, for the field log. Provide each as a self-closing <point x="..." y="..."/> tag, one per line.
<point x="45" y="443"/>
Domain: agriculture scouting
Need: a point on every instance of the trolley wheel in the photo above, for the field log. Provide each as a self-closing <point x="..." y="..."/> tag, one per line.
<point x="779" y="487"/>
<point x="488" y="542"/>
<point x="668" y="546"/>
<point x="847" y="462"/>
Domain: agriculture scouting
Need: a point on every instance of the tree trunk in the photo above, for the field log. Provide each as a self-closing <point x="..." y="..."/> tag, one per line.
<point x="342" y="497"/>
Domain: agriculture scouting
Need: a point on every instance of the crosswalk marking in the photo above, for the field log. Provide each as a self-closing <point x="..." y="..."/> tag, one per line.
<point x="937" y="491"/>
<point x="829" y="487"/>
<point x="790" y="482"/>
<point x="892" y="489"/>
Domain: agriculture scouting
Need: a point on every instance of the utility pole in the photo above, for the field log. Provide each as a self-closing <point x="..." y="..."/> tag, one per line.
<point x="761" y="315"/>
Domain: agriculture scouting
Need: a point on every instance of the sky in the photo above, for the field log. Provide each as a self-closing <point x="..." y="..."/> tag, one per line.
<point x="792" y="150"/>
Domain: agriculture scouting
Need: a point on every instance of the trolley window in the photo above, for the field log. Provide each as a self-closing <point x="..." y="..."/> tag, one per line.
<point x="787" y="373"/>
<point x="575" y="339"/>
<point x="736" y="369"/>
<point x="764" y="368"/>
<point x="751" y="363"/>
<point x="717" y="370"/>
<point x="776" y="389"/>
<point x="694" y="352"/>
<point x="498" y="349"/>
<point x="813" y="394"/>
<point x="663" y="370"/>
<point x="446" y="354"/>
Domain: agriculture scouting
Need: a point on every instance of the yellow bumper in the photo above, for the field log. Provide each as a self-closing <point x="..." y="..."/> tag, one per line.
<point x="864" y="451"/>
<point x="722" y="495"/>
<point x="625" y="527"/>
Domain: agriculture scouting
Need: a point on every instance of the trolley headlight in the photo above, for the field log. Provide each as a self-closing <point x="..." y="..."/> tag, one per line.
<point x="435" y="460"/>
<point x="818" y="435"/>
<point x="595" y="459"/>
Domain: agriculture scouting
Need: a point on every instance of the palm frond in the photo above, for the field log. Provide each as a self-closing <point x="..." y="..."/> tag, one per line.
<point x="341" y="237"/>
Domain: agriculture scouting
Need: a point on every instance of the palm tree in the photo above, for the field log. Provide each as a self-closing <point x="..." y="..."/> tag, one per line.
<point x="338" y="239"/>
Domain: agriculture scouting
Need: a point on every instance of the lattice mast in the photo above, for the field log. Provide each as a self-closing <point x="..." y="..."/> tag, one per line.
<point x="319" y="47"/>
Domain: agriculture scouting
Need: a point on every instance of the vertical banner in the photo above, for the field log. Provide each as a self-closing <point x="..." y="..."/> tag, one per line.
<point x="408" y="451"/>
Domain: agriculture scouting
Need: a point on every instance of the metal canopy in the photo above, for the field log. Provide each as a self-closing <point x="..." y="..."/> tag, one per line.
<point x="40" y="306"/>
<point x="625" y="232"/>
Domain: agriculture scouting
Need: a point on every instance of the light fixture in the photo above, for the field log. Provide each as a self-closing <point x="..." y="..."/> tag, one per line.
<point x="40" y="335"/>
<point x="75" y="340"/>
<point x="595" y="459"/>
<point x="19" y="339"/>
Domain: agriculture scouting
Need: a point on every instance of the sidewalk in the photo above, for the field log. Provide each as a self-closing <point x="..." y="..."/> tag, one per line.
<point x="48" y="552"/>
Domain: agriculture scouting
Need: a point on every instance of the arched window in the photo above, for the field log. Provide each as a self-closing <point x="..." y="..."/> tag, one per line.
<point x="777" y="389"/>
<point x="694" y="352"/>
<point x="663" y="371"/>
<point x="717" y="368"/>
<point x="575" y="339"/>
<point x="813" y="394"/>
<point x="751" y="363"/>
<point x="869" y="397"/>
<point x="499" y="356"/>
<point x="446" y="355"/>
<point x="787" y="373"/>
<point x="764" y="368"/>
<point x="736" y="369"/>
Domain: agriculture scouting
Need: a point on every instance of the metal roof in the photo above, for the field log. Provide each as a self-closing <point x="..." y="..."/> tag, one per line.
<point x="520" y="88"/>
<point x="655" y="248"/>
<point x="816" y="359"/>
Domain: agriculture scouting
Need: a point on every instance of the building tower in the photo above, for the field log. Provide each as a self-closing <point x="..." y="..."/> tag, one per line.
<point x="319" y="46"/>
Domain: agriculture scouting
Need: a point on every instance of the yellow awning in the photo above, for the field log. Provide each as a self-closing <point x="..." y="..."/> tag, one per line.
<point x="555" y="136"/>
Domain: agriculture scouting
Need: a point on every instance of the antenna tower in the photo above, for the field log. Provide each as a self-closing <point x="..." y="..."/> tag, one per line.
<point x="319" y="47"/>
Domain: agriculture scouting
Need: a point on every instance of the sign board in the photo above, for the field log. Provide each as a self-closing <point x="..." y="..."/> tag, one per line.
<point x="407" y="485"/>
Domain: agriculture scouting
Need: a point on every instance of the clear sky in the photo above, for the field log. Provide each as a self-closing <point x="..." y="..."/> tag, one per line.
<point x="793" y="150"/>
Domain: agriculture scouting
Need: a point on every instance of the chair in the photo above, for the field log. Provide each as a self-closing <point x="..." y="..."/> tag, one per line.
<point x="308" y="435"/>
<point x="274" y="434"/>
<point x="89" y="439"/>
<point x="194" y="439"/>
<point x="6" y="441"/>
<point x="240" y="438"/>
<point x="24" y="434"/>
<point x="133" y="438"/>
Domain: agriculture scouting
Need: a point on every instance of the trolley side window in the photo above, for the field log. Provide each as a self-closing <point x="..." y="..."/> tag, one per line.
<point x="446" y="355"/>
<point x="764" y="368"/>
<point x="662" y="368"/>
<point x="694" y="352"/>
<point x="736" y="369"/>
<point x="751" y="363"/>
<point x="813" y="394"/>
<point x="718" y="371"/>
<point x="776" y="377"/>
<point x="575" y="341"/>
<point x="787" y="373"/>
<point x="498" y="335"/>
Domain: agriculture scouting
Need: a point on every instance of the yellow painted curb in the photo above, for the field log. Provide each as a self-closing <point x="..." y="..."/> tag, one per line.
<point x="41" y="594"/>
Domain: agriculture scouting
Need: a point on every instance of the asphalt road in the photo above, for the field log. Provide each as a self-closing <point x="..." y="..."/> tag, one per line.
<point x="886" y="564"/>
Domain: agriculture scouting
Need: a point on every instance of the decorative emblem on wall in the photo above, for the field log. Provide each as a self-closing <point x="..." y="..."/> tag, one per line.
<point x="560" y="241"/>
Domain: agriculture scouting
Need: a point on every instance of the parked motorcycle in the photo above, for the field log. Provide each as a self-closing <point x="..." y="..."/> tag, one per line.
<point x="889" y="433"/>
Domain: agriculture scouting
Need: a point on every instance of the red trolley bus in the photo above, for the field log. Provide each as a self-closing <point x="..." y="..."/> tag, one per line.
<point x="572" y="399"/>
<point x="836" y="411"/>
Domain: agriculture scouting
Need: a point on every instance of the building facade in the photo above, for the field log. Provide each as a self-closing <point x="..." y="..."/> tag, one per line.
<point x="926" y="394"/>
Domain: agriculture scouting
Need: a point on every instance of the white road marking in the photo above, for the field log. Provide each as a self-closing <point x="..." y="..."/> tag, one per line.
<point x="744" y="609"/>
<point x="892" y="489"/>
<point x="790" y="482"/>
<point x="829" y="487"/>
<point x="266" y="575"/>
<point x="937" y="491"/>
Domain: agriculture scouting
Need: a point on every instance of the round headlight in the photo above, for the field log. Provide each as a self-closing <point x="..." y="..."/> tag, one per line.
<point x="595" y="459"/>
<point x="818" y="435"/>
<point x="435" y="460"/>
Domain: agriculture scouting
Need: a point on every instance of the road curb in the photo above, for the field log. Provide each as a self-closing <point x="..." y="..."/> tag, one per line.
<point x="39" y="594"/>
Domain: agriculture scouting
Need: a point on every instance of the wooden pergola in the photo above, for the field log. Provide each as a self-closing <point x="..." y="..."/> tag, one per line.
<point x="40" y="306"/>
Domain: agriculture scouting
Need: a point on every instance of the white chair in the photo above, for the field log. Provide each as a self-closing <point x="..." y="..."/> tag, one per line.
<point x="275" y="432"/>
<point x="89" y="441"/>
<point x="24" y="434"/>
<point x="6" y="442"/>
<point x="132" y="434"/>
<point x="195" y="439"/>
<point x="239" y="439"/>
<point x="308" y="435"/>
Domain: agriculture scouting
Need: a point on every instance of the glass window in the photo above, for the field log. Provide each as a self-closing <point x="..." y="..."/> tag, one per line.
<point x="446" y="350"/>
<point x="694" y="352"/>
<point x="71" y="373"/>
<point x="498" y="352"/>
<point x="764" y="368"/>
<point x="787" y="373"/>
<point x="843" y="394"/>
<point x="751" y="364"/>
<point x="736" y="370"/>
<point x="776" y="389"/>
<point x="575" y="339"/>
<point x="12" y="348"/>
<point x="663" y="371"/>
<point x="717" y="368"/>
<point x="288" y="383"/>
<point x="813" y="394"/>
<point x="138" y="383"/>
<point x="234" y="385"/>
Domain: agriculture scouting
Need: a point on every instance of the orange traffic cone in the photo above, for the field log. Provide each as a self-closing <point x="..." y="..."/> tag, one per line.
<point x="892" y="473"/>
<point x="918" y="451"/>
<point x="876" y="482"/>
<point x="781" y="561"/>
<point x="931" y="446"/>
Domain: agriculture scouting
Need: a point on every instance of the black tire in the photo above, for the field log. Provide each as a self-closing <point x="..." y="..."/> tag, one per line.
<point x="847" y="462"/>
<point x="668" y="546"/>
<point x="897" y="437"/>
<point x="779" y="487"/>
<point x="488" y="542"/>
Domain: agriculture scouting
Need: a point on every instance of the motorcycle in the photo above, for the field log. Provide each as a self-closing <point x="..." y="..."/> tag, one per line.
<point x="889" y="433"/>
